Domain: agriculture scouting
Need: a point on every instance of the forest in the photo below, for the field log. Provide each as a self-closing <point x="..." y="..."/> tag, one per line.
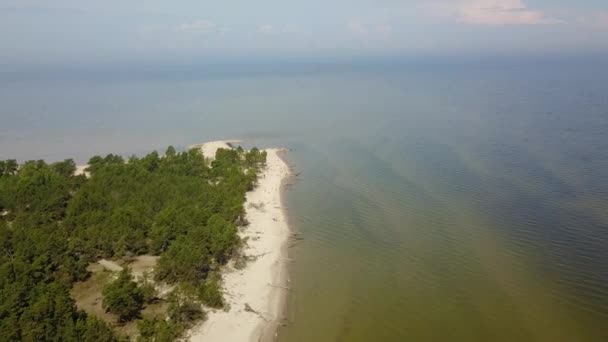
<point x="179" y="206"/>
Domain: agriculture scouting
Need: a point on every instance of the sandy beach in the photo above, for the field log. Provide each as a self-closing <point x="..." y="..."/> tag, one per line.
<point x="80" y="170"/>
<point x="261" y="284"/>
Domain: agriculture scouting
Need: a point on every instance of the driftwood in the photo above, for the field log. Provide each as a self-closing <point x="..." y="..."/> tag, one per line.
<point x="255" y="257"/>
<point x="289" y="184"/>
<point x="291" y="181"/>
<point x="248" y="308"/>
<point x="259" y="206"/>
<point x="294" y="239"/>
<point x="286" y="288"/>
<point x="296" y="236"/>
<point x="283" y="322"/>
<point x="279" y="286"/>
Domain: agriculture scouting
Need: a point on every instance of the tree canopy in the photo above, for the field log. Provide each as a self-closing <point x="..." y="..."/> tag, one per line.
<point x="53" y="223"/>
<point x="123" y="297"/>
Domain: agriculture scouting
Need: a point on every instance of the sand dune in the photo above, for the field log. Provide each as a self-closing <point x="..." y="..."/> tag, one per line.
<point x="209" y="148"/>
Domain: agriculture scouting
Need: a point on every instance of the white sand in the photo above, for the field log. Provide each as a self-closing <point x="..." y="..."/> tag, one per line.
<point x="80" y="170"/>
<point x="110" y="265"/>
<point x="261" y="284"/>
<point x="209" y="148"/>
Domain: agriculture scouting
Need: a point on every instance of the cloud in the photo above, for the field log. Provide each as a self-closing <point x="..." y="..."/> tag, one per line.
<point x="279" y="30"/>
<point x="500" y="12"/>
<point x="266" y="29"/>
<point x="596" y="21"/>
<point x="357" y="27"/>
<point x="199" y="27"/>
<point x="384" y="29"/>
<point x="193" y="29"/>
<point x="367" y="30"/>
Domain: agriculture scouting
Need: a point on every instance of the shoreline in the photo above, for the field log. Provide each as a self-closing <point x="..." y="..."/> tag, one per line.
<point x="271" y="329"/>
<point x="261" y="285"/>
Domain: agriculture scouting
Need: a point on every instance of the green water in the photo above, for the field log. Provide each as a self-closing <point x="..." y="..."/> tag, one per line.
<point x="461" y="209"/>
<point x="436" y="204"/>
<point x="390" y="254"/>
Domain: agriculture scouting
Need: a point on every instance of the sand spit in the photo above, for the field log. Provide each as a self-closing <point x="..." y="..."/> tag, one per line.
<point x="261" y="285"/>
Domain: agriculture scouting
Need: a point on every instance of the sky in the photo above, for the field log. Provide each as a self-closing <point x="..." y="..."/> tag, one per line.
<point x="86" y="31"/>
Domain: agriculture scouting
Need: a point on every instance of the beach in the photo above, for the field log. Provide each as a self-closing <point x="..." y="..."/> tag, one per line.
<point x="254" y="294"/>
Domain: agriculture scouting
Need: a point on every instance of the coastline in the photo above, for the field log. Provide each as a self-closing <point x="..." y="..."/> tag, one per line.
<point x="255" y="294"/>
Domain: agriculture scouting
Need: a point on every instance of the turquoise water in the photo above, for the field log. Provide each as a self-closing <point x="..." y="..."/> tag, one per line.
<point x="437" y="203"/>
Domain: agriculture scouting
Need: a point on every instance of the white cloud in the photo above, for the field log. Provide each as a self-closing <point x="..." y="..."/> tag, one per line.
<point x="384" y="29"/>
<point x="266" y="29"/>
<point x="279" y="30"/>
<point x="194" y="29"/>
<point x="367" y="30"/>
<point x="500" y="12"/>
<point x="596" y="21"/>
<point x="357" y="27"/>
<point x="199" y="26"/>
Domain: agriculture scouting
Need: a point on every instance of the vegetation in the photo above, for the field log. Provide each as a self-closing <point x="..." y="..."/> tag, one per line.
<point x="123" y="297"/>
<point x="157" y="330"/>
<point x="54" y="223"/>
<point x="147" y="288"/>
<point x="210" y="293"/>
<point x="182" y="313"/>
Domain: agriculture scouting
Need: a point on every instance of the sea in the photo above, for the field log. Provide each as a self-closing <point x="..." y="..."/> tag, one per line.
<point x="438" y="200"/>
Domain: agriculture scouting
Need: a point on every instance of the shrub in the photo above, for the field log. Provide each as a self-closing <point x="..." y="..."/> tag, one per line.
<point x="157" y="330"/>
<point x="123" y="297"/>
<point x="182" y="309"/>
<point x="210" y="293"/>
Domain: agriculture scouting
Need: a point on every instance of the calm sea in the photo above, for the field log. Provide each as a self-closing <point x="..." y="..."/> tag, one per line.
<point x="461" y="202"/>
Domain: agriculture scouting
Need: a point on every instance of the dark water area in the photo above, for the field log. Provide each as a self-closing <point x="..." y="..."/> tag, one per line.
<point x="437" y="203"/>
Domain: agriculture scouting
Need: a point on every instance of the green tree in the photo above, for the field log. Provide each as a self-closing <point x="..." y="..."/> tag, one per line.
<point x="65" y="168"/>
<point x="157" y="330"/>
<point x="183" y="310"/>
<point x="187" y="259"/>
<point x="210" y="293"/>
<point x="92" y="329"/>
<point x="123" y="297"/>
<point x="53" y="224"/>
<point x="148" y="289"/>
<point x="170" y="152"/>
<point x="8" y="167"/>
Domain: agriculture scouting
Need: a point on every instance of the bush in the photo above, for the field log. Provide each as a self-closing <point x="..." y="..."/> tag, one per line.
<point x="157" y="330"/>
<point x="95" y="330"/>
<point x="148" y="290"/>
<point x="210" y="293"/>
<point x="123" y="298"/>
<point x="182" y="309"/>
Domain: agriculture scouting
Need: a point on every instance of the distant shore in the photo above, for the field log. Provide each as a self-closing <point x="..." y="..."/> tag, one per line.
<point x="255" y="294"/>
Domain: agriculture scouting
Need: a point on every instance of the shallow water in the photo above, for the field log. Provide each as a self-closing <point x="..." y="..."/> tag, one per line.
<point x="436" y="203"/>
